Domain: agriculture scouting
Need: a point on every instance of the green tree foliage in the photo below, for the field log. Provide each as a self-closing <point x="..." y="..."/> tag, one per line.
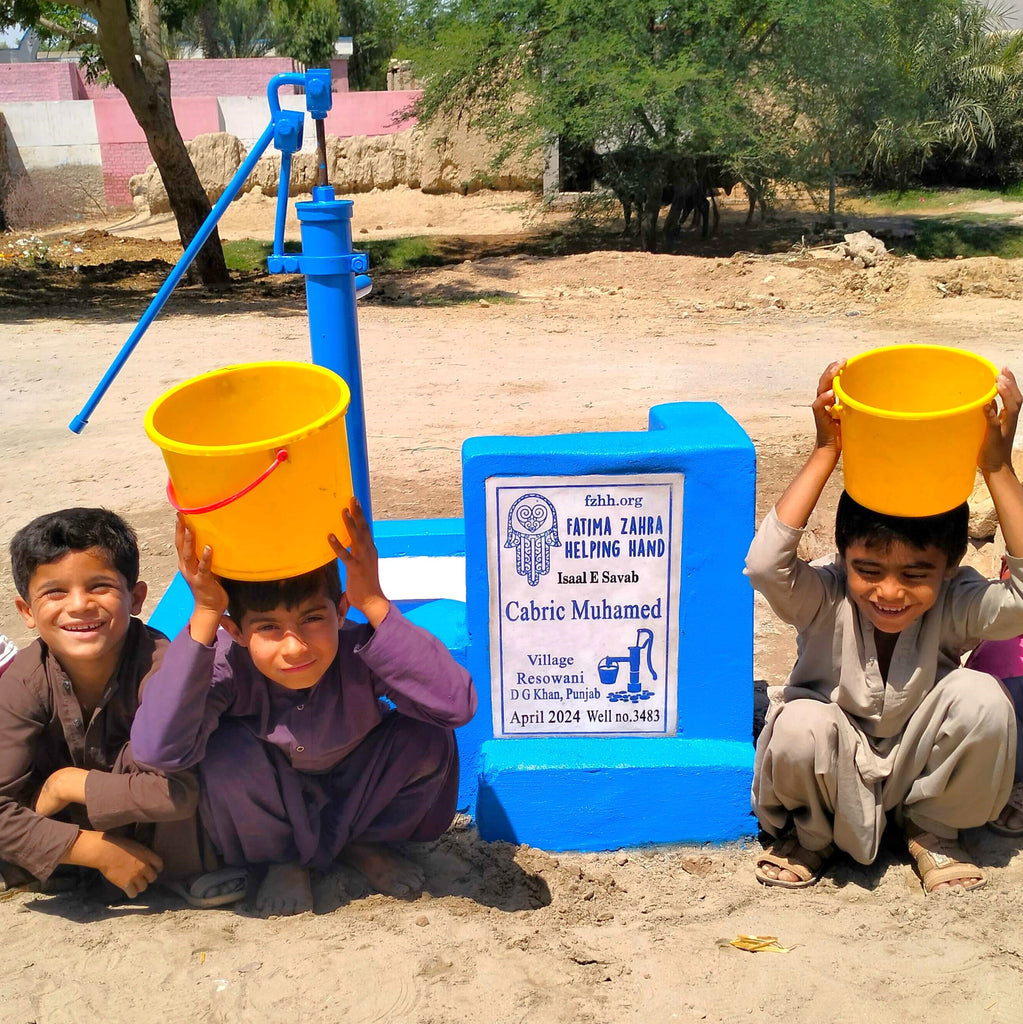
<point x="755" y="89"/>
<point x="307" y="29"/>
<point x="835" y="66"/>
<point x="964" y="124"/>
<point x="660" y="89"/>
<point x="230" y="28"/>
<point x="375" y="27"/>
<point x="304" y="29"/>
<point x="583" y="69"/>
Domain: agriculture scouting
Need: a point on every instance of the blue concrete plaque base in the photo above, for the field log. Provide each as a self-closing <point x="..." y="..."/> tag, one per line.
<point x="573" y="794"/>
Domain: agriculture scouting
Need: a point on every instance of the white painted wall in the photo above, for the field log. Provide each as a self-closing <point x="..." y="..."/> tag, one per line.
<point x="247" y="117"/>
<point x="54" y="133"/>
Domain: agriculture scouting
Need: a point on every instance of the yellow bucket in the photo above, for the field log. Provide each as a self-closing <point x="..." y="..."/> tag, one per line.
<point x="912" y="426"/>
<point x="258" y="461"/>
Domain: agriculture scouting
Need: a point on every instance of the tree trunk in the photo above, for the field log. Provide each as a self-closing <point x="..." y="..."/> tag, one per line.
<point x="651" y="212"/>
<point x="831" y="186"/>
<point x="145" y="84"/>
<point x="5" y="173"/>
<point x="209" y="34"/>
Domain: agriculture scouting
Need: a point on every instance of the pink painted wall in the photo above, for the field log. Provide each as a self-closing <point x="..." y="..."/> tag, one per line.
<point x="243" y="76"/>
<point x="38" y="81"/>
<point x="115" y="123"/>
<point x="338" y="75"/>
<point x="369" y="113"/>
<point x="122" y="143"/>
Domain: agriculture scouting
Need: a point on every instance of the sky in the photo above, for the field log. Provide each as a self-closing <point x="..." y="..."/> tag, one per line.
<point x="1014" y="13"/>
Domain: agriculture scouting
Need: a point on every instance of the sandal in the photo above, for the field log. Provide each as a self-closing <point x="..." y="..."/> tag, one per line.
<point x="1013" y="804"/>
<point x="213" y="889"/>
<point x="943" y="860"/>
<point x="789" y="855"/>
<point x="64" y="879"/>
<point x="15" y="878"/>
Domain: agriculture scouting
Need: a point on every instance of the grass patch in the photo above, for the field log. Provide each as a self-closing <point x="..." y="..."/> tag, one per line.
<point x="944" y="239"/>
<point x="250" y="253"/>
<point x="492" y="298"/>
<point x="927" y="198"/>
<point x="408" y="253"/>
<point x="384" y="253"/>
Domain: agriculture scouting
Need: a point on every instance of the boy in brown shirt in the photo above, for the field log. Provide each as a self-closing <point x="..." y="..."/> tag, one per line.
<point x="70" y="791"/>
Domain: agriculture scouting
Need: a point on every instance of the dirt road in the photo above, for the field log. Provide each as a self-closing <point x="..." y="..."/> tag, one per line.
<point x="520" y="346"/>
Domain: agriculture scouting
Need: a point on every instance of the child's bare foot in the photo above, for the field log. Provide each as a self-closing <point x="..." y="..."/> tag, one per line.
<point x="385" y="869"/>
<point x="286" y="890"/>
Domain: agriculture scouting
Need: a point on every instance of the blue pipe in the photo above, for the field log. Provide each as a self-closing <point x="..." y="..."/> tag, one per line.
<point x="333" y="276"/>
<point x="283" y="188"/>
<point x="79" y="422"/>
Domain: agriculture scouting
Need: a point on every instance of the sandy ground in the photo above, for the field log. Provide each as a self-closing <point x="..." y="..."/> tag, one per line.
<point x="515" y="345"/>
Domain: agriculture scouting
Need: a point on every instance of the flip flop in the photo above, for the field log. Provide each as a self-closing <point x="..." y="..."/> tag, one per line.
<point x="943" y="860"/>
<point x="789" y="855"/>
<point x="195" y="892"/>
<point x="1014" y="803"/>
<point x="64" y="879"/>
<point x="15" y="878"/>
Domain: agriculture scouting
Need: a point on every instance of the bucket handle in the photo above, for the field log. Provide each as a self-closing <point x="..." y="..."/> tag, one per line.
<point x="281" y="455"/>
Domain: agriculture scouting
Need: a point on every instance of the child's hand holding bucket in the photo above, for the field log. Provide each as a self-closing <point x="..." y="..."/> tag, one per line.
<point x="800" y="498"/>
<point x="825" y="415"/>
<point x="362" y="574"/>
<point x="209" y="596"/>
<point x="996" y="451"/>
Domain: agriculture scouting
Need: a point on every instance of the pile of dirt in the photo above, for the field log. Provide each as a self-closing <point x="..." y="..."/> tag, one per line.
<point x="520" y="267"/>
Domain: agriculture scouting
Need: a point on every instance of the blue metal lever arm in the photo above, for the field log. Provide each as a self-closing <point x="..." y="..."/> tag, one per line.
<point x="274" y="85"/>
<point x="79" y="422"/>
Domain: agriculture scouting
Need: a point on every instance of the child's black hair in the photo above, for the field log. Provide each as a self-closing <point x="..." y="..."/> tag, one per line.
<point x="50" y="537"/>
<point x="947" y="531"/>
<point x="265" y="595"/>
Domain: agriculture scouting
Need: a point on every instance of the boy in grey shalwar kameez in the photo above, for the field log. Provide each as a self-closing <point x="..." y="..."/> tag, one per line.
<point x="878" y="716"/>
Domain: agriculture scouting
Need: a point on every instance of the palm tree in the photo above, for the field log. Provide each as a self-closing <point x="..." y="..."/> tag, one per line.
<point x="230" y="28"/>
<point x="970" y="90"/>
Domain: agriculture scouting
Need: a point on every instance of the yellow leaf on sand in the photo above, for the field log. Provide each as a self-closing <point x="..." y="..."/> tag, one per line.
<point x="758" y="944"/>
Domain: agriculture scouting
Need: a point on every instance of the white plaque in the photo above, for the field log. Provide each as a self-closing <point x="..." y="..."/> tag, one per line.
<point x="584" y="591"/>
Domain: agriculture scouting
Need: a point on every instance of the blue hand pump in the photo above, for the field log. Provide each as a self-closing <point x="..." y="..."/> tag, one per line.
<point x="335" y="275"/>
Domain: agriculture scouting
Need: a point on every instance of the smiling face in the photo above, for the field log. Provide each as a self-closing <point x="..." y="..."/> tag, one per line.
<point x="894" y="586"/>
<point x="81" y="607"/>
<point x="292" y="646"/>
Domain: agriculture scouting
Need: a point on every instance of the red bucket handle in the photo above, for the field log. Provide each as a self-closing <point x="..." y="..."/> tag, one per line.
<point x="281" y="455"/>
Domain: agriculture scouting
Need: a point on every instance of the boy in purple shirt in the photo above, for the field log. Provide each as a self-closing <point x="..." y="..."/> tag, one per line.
<point x="300" y="761"/>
